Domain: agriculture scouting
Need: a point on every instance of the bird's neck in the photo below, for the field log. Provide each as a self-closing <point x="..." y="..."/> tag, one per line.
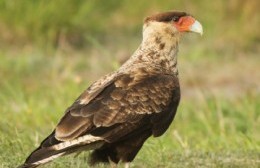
<point x="158" y="49"/>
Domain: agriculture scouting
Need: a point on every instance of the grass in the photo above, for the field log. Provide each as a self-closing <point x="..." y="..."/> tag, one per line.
<point x="48" y="24"/>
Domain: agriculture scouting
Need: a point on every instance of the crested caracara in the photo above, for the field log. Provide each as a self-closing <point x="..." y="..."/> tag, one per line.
<point x="118" y="112"/>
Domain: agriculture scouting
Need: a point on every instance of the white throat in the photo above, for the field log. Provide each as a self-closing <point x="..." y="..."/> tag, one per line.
<point x="159" y="47"/>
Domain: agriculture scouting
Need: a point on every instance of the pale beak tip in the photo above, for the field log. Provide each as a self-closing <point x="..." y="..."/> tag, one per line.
<point x="201" y="33"/>
<point x="196" y="27"/>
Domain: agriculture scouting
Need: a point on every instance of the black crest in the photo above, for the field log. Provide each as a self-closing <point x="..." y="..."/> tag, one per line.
<point x="166" y="16"/>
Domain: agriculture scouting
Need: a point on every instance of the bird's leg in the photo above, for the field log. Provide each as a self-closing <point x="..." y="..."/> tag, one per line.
<point x="127" y="165"/>
<point x="112" y="164"/>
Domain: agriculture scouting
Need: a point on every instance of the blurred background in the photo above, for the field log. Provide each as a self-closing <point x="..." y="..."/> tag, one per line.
<point x="50" y="51"/>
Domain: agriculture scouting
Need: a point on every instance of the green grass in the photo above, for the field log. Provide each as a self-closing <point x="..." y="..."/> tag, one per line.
<point x="49" y="24"/>
<point x="210" y="129"/>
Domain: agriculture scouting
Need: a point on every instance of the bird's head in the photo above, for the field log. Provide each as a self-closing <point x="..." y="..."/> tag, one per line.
<point x="174" y="22"/>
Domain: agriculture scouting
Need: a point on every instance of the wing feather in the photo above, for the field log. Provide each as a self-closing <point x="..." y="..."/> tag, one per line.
<point x="122" y="102"/>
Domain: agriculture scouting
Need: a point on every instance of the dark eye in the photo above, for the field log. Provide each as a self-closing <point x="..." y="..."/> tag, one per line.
<point x="175" y="18"/>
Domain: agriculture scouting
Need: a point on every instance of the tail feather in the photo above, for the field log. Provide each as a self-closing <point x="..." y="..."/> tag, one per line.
<point x="47" y="152"/>
<point x="41" y="156"/>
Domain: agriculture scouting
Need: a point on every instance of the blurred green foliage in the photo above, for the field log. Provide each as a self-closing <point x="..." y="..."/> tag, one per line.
<point x="49" y="23"/>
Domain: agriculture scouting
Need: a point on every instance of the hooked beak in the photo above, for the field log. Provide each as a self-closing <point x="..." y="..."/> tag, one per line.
<point x="196" y="27"/>
<point x="189" y="24"/>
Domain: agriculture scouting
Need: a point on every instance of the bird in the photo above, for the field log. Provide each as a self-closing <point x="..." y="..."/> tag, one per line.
<point x="115" y="115"/>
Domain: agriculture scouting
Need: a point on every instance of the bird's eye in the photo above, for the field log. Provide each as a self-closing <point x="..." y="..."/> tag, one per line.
<point x="175" y="18"/>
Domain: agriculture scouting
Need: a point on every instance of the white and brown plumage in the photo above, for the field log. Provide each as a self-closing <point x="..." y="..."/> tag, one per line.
<point x="117" y="113"/>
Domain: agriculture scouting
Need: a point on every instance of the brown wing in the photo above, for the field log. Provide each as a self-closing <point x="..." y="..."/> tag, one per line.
<point x="121" y="105"/>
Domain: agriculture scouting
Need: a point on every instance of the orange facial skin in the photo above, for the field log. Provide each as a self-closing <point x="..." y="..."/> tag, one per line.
<point x="184" y="23"/>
